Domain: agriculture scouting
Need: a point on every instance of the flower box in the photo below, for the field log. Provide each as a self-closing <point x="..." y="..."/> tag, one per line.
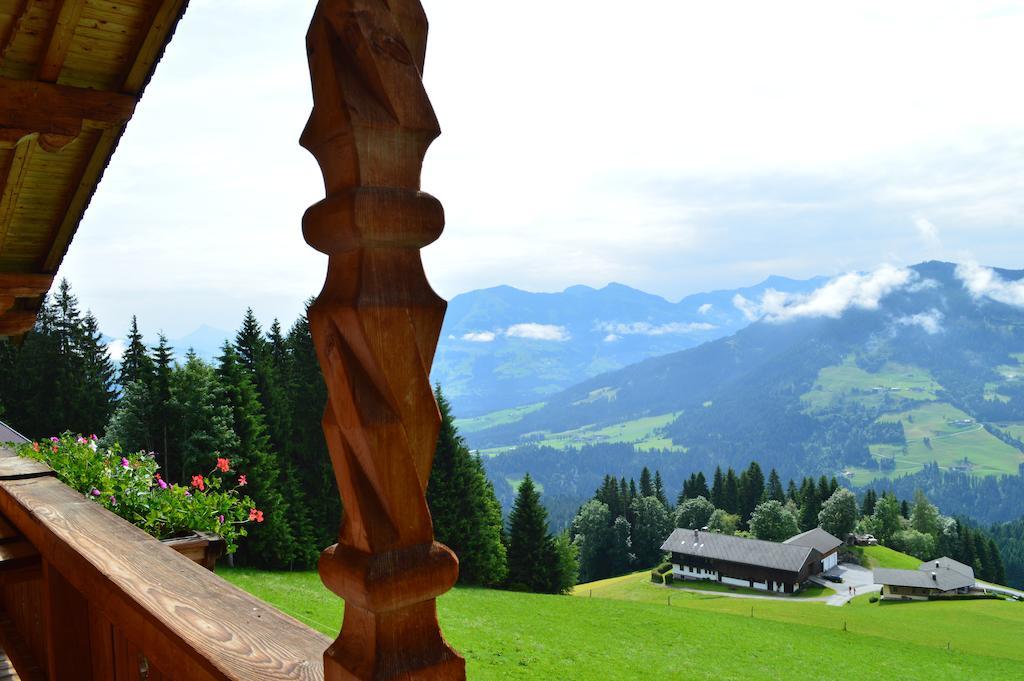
<point x="204" y="548"/>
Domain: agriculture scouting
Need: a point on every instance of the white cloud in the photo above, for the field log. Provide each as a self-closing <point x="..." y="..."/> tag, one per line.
<point x="116" y="349"/>
<point x="611" y="338"/>
<point x="479" y="336"/>
<point x="930" y="321"/>
<point x="533" y="331"/>
<point x="705" y="308"/>
<point x="647" y="329"/>
<point x="853" y="290"/>
<point x="928" y="232"/>
<point x="984" y="282"/>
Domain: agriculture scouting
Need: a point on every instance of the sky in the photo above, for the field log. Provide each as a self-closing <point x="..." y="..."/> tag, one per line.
<point x="675" y="146"/>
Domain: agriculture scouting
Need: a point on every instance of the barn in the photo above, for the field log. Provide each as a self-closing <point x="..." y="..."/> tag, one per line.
<point x="822" y="542"/>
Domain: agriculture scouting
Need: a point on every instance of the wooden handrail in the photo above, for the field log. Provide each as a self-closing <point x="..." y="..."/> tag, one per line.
<point x="114" y="598"/>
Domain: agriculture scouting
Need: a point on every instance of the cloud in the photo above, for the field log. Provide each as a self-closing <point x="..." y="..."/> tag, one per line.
<point x="705" y="308"/>
<point x="928" y="232"/>
<point x="930" y="321"/>
<point x="116" y="349"/>
<point x="853" y="290"/>
<point x="648" y="329"/>
<point x="533" y="331"/>
<point x="611" y="338"/>
<point x="984" y="282"/>
<point x="479" y="336"/>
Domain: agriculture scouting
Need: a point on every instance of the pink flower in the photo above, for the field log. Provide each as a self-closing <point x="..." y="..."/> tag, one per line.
<point x="242" y="481"/>
<point x="224" y="465"/>
<point x="93" y="437"/>
<point x="220" y="519"/>
<point x="125" y="463"/>
<point x="198" y="482"/>
<point x="54" y="439"/>
<point x="95" y="492"/>
<point x="160" y="481"/>
<point x="255" y="514"/>
<point x="81" y="440"/>
<point x="113" y="501"/>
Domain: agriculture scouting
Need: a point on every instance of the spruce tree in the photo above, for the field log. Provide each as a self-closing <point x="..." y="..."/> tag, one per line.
<point x="203" y="422"/>
<point x="270" y="543"/>
<point x="659" y="489"/>
<point x="646" y="483"/>
<point x="731" y="494"/>
<point x="96" y="378"/>
<point x="464" y="508"/>
<point x="163" y="367"/>
<point x="700" y="486"/>
<point x="718" y="489"/>
<point x="529" y="544"/>
<point x="136" y="364"/>
<point x="775" y="491"/>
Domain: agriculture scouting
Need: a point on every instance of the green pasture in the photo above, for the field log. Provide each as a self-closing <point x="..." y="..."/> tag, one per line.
<point x="848" y="381"/>
<point x="496" y="418"/>
<point x="700" y="636"/>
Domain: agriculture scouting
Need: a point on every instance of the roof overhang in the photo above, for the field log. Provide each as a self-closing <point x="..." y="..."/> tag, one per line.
<point x="71" y="73"/>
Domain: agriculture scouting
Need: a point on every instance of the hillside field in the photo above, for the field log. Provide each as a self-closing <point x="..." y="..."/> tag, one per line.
<point x="644" y="433"/>
<point x="627" y="625"/>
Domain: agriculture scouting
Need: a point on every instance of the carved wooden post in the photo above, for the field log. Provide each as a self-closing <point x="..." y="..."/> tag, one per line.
<point x="376" y="326"/>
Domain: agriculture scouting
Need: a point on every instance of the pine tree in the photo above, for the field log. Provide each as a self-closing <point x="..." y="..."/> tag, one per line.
<point x="867" y="508"/>
<point x="718" y="489"/>
<point x="249" y="341"/>
<point x="270" y="543"/>
<point x="792" y="494"/>
<point x="163" y="367"/>
<point x="529" y="544"/>
<point x="203" y="422"/>
<point x="659" y="489"/>
<point x="464" y="508"/>
<point x="136" y="364"/>
<point x="775" y="491"/>
<point x="730" y="494"/>
<point x="646" y="484"/>
<point x="700" y="486"/>
<point x="751" y="490"/>
<point x="96" y="379"/>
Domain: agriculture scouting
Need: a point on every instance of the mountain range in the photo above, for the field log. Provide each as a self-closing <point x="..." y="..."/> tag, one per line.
<point x="503" y="347"/>
<point x="870" y="375"/>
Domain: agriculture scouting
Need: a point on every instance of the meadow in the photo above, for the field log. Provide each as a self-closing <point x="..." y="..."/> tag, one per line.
<point x="645" y="433"/>
<point x="848" y="381"/>
<point x="627" y="630"/>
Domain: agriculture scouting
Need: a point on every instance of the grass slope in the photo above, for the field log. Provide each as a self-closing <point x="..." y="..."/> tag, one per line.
<point x="701" y="636"/>
<point x="496" y="418"/>
<point x="644" y="432"/>
<point x="848" y="381"/>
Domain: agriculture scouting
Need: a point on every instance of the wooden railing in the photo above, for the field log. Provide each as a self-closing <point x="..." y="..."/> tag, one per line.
<point x="86" y="595"/>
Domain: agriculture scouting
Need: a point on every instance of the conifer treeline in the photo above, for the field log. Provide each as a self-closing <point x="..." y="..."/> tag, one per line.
<point x="260" y="404"/>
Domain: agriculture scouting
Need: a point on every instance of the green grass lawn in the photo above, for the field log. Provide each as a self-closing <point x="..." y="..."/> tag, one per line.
<point x="643" y="432"/>
<point x="947" y="444"/>
<point x="627" y="626"/>
<point x="884" y="557"/>
<point x="496" y="418"/>
<point x="851" y="382"/>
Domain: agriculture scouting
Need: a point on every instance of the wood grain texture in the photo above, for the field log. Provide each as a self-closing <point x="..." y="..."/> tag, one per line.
<point x="188" y="622"/>
<point x="14" y="467"/>
<point x="376" y="326"/>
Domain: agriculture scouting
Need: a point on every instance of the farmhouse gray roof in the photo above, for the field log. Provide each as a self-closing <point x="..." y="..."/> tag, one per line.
<point x="818" y="539"/>
<point x="8" y="434"/>
<point x="942" y="579"/>
<point x="714" y="546"/>
<point x="948" y="564"/>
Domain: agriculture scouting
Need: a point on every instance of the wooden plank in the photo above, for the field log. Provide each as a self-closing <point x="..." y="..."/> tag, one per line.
<point x="61" y="35"/>
<point x="185" y="619"/>
<point x="16" y="322"/>
<point x="18" y="651"/>
<point x="14" y="467"/>
<point x="7" y="39"/>
<point x="67" y="628"/>
<point x="151" y="47"/>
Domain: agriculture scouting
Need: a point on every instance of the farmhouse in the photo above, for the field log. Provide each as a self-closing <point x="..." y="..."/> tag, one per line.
<point x="822" y="542"/>
<point x="753" y="563"/>
<point x="939" y="578"/>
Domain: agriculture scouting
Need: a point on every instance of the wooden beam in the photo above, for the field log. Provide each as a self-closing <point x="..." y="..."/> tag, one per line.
<point x="88" y="181"/>
<point x="7" y="39"/>
<point x="12" y="185"/>
<point x="25" y="285"/>
<point x="28" y="107"/>
<point x="15" y="323"/>
<point x="165" y="17"/>
<point x="62" y="32"/>
<point x="376" y="325"/>
<point x="18" y="651"/>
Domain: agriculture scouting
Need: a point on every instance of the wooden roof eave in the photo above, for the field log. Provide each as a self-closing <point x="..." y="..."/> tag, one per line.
<point x="71" y="74"/>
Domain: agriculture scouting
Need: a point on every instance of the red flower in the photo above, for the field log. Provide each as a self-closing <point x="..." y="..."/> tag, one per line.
<point x="242" y="481"/>
<point x="197" y="481"/>
<point x="256" y="515"/>
<point x="224" y="465"/>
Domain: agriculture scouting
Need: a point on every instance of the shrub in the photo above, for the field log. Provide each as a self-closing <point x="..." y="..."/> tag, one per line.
<point x="669" y="579"/>
<point x="657" y="577"/>
<point x="130" y="486"/>
<point x="873" y="599"/>
<point x="663" y="568"/>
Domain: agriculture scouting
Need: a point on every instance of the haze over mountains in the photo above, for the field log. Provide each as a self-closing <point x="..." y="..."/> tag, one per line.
<point x="502" y="347"/>
<point x="870" y="375"/>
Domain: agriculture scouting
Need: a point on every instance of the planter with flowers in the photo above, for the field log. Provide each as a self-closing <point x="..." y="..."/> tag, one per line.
<point x="202" y="521"/>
